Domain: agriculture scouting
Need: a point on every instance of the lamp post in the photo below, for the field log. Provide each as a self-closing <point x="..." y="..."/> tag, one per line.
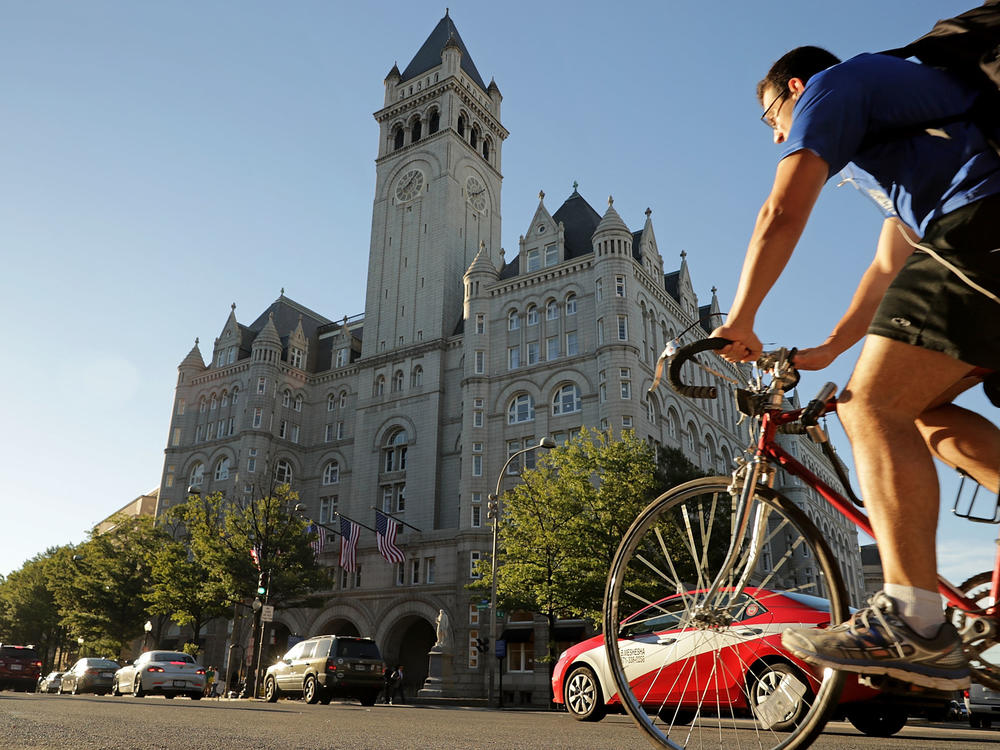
<point x="148" y="627"/>
<point x="79" y="651"/>
<point x="494" y="511"/>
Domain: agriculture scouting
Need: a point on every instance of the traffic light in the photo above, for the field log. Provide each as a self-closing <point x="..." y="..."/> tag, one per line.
<point x="492" y="504"/>
<point x="261" y="584"/>
<point x="482" y="644"/>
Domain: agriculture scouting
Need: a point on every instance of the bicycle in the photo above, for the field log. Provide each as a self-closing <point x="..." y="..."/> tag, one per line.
<point x="681" y="579"/>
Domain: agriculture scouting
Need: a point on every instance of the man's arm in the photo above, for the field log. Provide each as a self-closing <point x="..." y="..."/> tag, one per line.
<point x="890" y="254"/>
<point x="797" y="184"/>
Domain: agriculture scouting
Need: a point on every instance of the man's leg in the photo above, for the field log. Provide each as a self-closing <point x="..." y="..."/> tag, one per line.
<point x="892" y="385"/>
<point x="964" y="440"/>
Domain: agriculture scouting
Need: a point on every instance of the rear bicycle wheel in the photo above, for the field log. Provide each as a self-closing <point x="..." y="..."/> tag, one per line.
<point x="979" y="634"/>
<point x="687" y="668"/>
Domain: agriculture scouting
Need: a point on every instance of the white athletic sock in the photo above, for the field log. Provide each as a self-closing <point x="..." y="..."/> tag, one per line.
<point x="920" y="609"/>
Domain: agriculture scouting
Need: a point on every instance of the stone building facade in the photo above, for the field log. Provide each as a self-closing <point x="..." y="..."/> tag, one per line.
<point x="464" y="355"/>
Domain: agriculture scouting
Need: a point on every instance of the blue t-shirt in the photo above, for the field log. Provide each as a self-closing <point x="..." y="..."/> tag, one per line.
<point x="925" y="176"/>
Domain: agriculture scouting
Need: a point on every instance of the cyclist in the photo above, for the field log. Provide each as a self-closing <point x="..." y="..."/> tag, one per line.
<point x="933" y="327"/>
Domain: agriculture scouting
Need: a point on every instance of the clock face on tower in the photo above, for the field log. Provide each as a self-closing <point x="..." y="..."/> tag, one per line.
<point x="409" y="185"/>
<point x="476" y="192"/>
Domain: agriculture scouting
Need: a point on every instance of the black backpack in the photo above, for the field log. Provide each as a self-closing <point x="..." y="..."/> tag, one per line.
<point x="967" y="46"/>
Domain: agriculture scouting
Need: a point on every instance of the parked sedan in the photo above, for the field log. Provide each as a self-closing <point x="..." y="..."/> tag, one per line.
<point x="89" y="675"/>
<point x="50" y="683"/>
<point x="733" y="668"/>
<point x="166" y="673"/>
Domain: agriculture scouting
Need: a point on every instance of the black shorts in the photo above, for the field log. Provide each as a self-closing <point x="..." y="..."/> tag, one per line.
<point x="929" y="306"/>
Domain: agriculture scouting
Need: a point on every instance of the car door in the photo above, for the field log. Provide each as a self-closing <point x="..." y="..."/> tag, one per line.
<point x="282" y="669"/>
<point x="300" y="664"/>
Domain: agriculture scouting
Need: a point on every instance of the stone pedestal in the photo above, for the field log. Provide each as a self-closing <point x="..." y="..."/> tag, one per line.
<point x="440" y="679"/>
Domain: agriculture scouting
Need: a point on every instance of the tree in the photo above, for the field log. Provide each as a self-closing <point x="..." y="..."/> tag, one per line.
<point x="221" y="533"/>
<point x="560" y="527"/>
<point x="28" y="610"/>
<point x="102" y="587"/>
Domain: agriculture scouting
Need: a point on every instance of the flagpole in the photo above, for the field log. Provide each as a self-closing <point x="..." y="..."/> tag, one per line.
<point x="397" y="520"/>
<point x="300" y="507"/>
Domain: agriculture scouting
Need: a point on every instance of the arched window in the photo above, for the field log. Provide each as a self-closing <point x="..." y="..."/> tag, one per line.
<point x="282" y="472"/>
<point x="551" y="310"/>
<point x="397" y="381"/>
<point x="521" y="409"/>
<point x="286" y="398"/>
<point x="415" y="131"/>
<point x="461" y="125"/>
<point x="215" y="403"/>
<point x="197" y="475"/>
<point x="567" y="400"/>
<point x="224" y="399"/>
<point x="531" y="315"/>
<point x="394" y="452"/>
<point x="652" y="408"/>
<point x="298" y="403"/>
<point x="690" y="437"/>
<point x="222" y="469"/>
<point x="435" y="123"/>
<point x="672" y="422"/>
<point x="709" y="452"/>
<point x="417" y="377"/>
<point x="513" y="321"/>
<point x="486" y="148"/>
<point x="201" y="405"/>
<point x="343" y="399"/>
<point x="474" y="136"/>
<point x="236" y="394"/>
<point x="331" y="473"/>
<point x="379" y="385"/>
<point x="331" y="402"/>
<point x="571" y="304"/>
<point x="397" y="137"/>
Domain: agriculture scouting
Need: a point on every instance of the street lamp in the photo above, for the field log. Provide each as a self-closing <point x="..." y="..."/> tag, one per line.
<point x="79" y="651"/>
<point x="494" y="511"/>
<point x="148" y="627"/>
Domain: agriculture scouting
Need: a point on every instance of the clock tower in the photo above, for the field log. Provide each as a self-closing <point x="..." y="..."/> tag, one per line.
<point x="437" y="193"/>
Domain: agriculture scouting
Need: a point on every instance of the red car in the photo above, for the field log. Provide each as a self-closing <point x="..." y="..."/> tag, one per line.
<point x="20" y="667"/>
<point x="681" y="672"/>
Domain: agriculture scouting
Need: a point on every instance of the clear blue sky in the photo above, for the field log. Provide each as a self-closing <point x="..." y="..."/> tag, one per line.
<point x="160" y="161"/>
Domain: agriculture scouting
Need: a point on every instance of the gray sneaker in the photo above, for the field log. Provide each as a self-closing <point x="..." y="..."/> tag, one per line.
<point x="876" y="640"/>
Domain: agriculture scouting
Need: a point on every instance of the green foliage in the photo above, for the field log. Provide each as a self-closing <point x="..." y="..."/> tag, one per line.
<point x="101" y="585"/>
<point x="28" y="610"/>
<point x="220" y="532"/>
<point x="560" y="526"/>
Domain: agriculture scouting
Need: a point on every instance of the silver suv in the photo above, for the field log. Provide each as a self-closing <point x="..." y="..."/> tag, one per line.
<point x="327" y="666"/>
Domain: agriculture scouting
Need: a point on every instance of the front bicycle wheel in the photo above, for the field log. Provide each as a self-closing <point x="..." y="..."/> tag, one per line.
<point x="696" y="672"/>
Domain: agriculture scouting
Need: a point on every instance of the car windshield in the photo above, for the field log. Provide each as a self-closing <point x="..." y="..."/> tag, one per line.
<point x="359" y="649"/>
<point x="171" y="656"/>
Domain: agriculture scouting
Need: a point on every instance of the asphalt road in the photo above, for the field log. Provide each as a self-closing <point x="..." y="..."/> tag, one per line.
<point x="37" y="722"/>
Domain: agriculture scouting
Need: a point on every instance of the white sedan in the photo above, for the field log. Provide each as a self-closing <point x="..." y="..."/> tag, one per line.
<point x="166" y="673"/>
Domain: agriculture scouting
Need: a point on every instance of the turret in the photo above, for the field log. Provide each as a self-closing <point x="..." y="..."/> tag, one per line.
<point x="192" y="364"/>
<point x="391" y="82"/>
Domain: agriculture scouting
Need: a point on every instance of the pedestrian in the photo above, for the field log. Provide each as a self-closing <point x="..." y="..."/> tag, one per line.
<point x="397" y="685"/>
<point x="209" y="682"/>
<point x="929" y="304"/>
<point x="387" y="673"/>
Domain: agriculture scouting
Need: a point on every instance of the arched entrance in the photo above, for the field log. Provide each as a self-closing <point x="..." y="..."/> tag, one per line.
<point x="408" y="642"/>
<point x="338" y="626"/>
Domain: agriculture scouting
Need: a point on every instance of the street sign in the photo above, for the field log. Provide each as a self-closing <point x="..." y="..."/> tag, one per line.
<point x="500" y="649"/>
<point x="267" y="613"/>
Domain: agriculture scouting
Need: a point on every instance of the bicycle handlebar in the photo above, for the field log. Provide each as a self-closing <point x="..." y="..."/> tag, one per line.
<point x="685" y="353"/>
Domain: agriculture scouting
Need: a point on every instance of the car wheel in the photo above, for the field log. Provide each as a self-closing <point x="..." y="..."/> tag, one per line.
<point x="310" y="690"/>
<point x="325" y="699"/>
<point x="76" y="689"/>
<point x="115" y="689"/>
<point x="675" y="717"/>
<point x="583" y="697"/>
<point x="196" y="696"/>
<point x="137" y="690"/>
<point x="169" y="696"/>
<point x="877" y="721"/>
<point x="270" y="690"/>
<point x="764" y="680"/>
<point x="368" y="699"/>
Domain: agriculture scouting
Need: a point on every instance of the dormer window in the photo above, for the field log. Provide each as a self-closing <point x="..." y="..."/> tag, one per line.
<point x="533" y="260"/>
<point x="551" y="254"/>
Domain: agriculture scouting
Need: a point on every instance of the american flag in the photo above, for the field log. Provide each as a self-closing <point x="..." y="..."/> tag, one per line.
<point x="385" y="534"/>
<point x="349" y="533"/>
<point x="320" y="541"/>
<point x="255" y="556"/>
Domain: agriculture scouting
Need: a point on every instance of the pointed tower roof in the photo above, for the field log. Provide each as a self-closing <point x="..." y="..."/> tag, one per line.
<point x="268" y="334"/>
<point x="579" y="220"/>
<point x="482" y="263"/>
<point x="193" y="359"/>
<point x="611" y="221"/>
<point x="429" y="55"/>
